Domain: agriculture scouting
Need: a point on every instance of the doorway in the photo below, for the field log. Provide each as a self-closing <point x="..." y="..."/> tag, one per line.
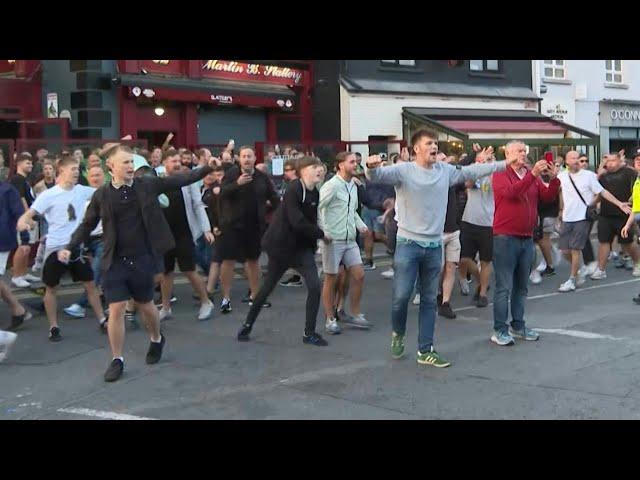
<point x="9" y="129"/>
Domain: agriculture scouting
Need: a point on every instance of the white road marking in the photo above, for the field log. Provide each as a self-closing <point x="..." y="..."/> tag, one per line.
<point x="553" y="294"/>
<point x="580" y="334"/>
<point x="100" y="414"/>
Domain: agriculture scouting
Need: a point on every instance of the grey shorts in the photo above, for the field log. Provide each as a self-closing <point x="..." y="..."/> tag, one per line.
<point x="548" y="224"/>
<point x="574" y="235"/>
<point x="337" y="252"/>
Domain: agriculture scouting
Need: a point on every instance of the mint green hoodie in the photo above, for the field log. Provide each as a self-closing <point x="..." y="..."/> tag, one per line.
<point x="337" y="214"/>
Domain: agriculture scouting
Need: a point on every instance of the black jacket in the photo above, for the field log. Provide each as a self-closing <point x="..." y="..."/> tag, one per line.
<point x="294" y="227"/>
<point x="235" y="198"/>
<point x="147" y="189"/>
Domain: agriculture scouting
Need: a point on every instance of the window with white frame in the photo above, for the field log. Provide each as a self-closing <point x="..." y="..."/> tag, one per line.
<point x="613" y="71"/>
<point x="484" y="65"/>
<point x="554" y="69"/>
<point x="399" y="63"/>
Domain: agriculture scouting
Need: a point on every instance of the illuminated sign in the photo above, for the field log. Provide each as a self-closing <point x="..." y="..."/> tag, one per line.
<point x="252" y="71"/>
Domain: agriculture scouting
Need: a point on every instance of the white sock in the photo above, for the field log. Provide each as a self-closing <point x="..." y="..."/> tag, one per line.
<point x="103" y="320"/>
<point x="119" y="358"/>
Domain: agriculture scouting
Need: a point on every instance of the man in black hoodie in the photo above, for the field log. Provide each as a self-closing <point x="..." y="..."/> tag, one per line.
<point x="291" y="241"/>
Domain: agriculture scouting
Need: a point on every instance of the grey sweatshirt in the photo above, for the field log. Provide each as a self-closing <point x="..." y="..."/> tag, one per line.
<point x="422" y="194"/>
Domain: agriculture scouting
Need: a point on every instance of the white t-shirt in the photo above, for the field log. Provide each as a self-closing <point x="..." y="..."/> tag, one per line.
<point x="588" y="185"/>
<point x="63" y="210"/>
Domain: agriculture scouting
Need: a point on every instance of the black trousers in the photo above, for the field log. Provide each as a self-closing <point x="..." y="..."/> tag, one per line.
<point x="587" y="251"/>
<point x="306" y="266"/>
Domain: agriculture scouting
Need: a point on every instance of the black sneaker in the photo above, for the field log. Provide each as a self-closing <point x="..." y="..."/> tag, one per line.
<point x="636" y="300"/>
<point x="243" y="334"/>
<point x="154" y="354"/>
<point x="104" y="327"/>
<point x="439" y="299"/>
<point x="314" y="339"/>
<point x="18" y="320"/>
<point x="266" y="304"/>
<point x="368" y="265"/>
<point x="482" y="301"/>
<point x="445" y="310"/>
<point x="114" y="372"/>
<point x="476" y="295"/>
<point x="293" y="281"/>
<point x="54" y="334"/>
<point x="225" y="306"/>
<point x="548" y="272"/>
<point x="247" y="297"/>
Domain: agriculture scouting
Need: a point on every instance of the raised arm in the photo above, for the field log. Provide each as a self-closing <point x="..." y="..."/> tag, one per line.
<point x="391" y="175"/>
<point x="176" y="182"/>
<point x="474" y="172"/>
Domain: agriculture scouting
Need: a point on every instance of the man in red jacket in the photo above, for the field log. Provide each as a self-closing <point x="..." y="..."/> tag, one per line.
<point x="516" y="193"/>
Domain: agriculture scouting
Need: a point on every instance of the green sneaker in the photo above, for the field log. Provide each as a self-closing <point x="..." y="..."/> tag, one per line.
<point x="432" y="358"/>
<point x="397" y="345"/>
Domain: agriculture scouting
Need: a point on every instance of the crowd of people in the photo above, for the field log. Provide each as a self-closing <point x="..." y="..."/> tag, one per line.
<point x="120" y="220"/>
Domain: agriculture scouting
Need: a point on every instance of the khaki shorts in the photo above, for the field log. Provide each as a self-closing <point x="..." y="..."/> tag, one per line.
<point x="337" y="252"/>
<point x="451" y="247"/>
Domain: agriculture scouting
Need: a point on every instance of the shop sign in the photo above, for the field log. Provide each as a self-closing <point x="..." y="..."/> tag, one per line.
<point x="251" y="71"/>
<point x="625" y="114"/>
<point x="557" y="112"/>
<point x="7" y="66"/>
<point x="222" y="99"/>
<point x="171" y="67"/>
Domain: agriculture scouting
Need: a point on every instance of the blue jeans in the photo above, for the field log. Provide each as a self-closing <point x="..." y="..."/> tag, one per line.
<point x="95" y="248"/>
<point x="204" y="254"/>
<point x="512" y="260"/>
<point x="411" y="260"/>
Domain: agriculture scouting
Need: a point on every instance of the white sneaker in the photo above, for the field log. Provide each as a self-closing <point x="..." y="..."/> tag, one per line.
<point x="7" y="339"/>
<point x="590" y="268"/>
<point x="580" y="279"/>
<point x="165" y="314"/>
<point x="535" y="277"/>
<point x="20" y="282"/>
<point x="75" y="311"/>
<point x="598" y="274"/>
<point x="636" y="270"/>
<point x="542" y="267"/>
<point x="416" y="299"/>
<point x="464" y="286"/>
<point x="332" y="327"/>
<point x="568" y="286"/>
<point x="388" y="274"/>
<point x="205" y="311"/>
<point x="31" y="278"/>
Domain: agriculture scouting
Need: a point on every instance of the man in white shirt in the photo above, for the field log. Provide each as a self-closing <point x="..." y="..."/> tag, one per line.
<point x="62" y="207"/>
<point x="579" y="189"/>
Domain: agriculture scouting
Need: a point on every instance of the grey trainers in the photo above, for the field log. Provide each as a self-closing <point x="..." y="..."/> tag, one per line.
<point x="464" y="286"/>
<point x="358" y="321"/>
<point x="502" y="339"/>
<point x="332" y="327"/>
<point x="525" y="334"/>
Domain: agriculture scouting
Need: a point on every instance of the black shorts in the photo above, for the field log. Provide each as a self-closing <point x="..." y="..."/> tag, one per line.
<point x="184" y="253"/>
<point x="610" y="227"/>
<point x="476" y="239"/>
<point x="238" y="245"/>
<point x="54" y="270"/>
<point x="130" y="278"/>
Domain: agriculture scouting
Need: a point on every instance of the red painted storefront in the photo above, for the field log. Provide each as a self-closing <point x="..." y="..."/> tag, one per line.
<point x="181" y="86"/>
<point x="20" y="90"/>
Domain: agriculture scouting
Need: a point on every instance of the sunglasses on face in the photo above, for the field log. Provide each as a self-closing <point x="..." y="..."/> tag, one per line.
<point x="583" y="161"/>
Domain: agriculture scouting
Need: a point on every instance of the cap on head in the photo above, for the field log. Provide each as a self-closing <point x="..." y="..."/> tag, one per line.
<point x="139" y="161"/>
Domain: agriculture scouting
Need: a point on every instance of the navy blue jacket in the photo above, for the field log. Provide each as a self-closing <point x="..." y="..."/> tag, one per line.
<point x="11" y="209"/>
<point x="376" y="193"/>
